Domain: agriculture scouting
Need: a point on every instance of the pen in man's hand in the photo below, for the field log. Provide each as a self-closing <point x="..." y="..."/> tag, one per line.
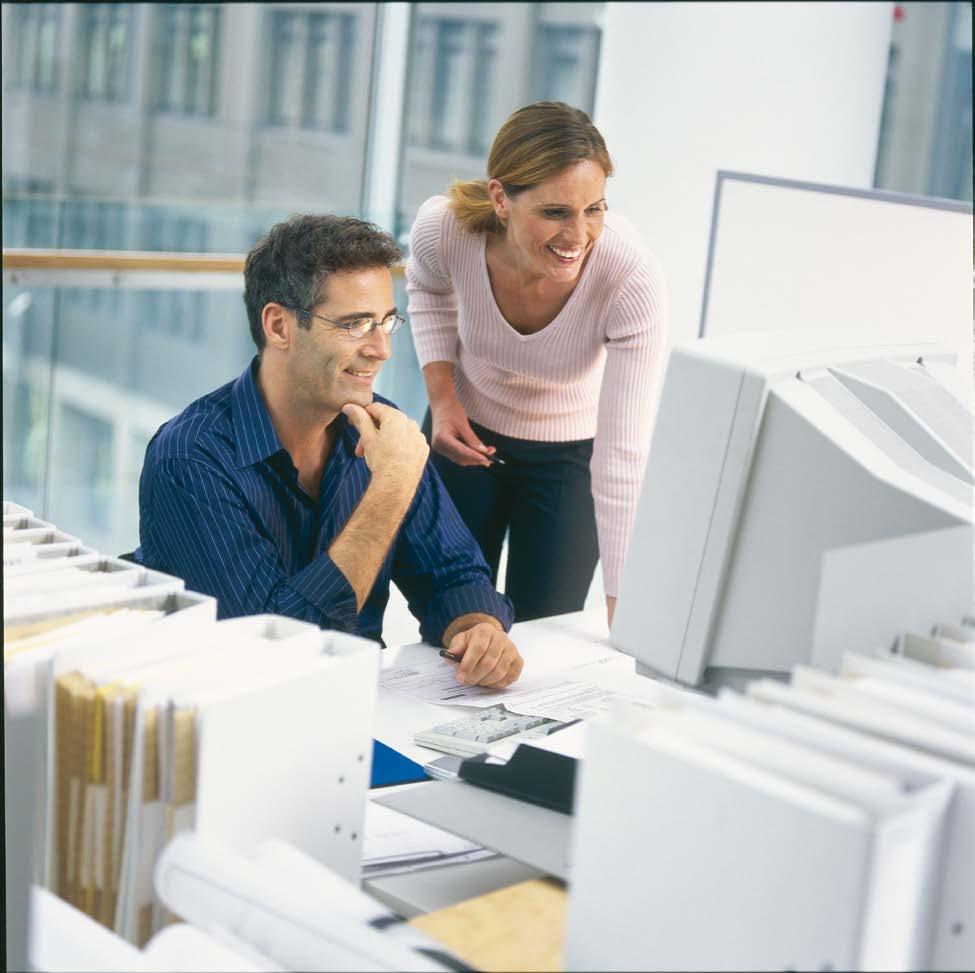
<point x="450" y="655"/>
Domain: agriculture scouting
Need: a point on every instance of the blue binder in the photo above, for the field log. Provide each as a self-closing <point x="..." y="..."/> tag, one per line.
<point x="391" y="767"/>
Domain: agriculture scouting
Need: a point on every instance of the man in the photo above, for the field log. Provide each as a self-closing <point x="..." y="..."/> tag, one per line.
<point x="298" y="491"/>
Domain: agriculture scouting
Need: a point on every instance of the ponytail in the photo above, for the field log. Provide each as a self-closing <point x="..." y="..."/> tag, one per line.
<point x="473" y="207"/>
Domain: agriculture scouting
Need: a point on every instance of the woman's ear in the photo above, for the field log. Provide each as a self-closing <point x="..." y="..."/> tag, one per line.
<point x="499" y="199"/>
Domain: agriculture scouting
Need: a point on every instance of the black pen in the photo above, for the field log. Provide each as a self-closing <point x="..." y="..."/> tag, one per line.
<point x="491" y="458"/>
<point x="450" y="655"/>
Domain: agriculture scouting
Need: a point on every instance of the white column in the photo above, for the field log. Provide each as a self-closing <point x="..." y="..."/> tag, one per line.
<point x="793" y="90"/>
<point x="386" y="114"/>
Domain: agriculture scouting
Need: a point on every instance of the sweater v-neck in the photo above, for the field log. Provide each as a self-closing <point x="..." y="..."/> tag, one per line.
<point x="552" y="325"/>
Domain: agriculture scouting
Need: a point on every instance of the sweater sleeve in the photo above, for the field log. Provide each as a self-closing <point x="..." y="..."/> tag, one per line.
<point x="432" y="305"/>
<point x="636" y="335"/>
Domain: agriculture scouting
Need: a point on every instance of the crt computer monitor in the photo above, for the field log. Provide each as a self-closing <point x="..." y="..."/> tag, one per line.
<point x="805" y="494"/>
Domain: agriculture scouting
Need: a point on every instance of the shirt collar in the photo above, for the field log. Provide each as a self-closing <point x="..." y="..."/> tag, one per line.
<point x="253" y="430"/>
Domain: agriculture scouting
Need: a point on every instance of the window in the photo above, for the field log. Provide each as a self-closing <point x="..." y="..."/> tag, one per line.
<point x="925" y="142"/>
<point x="105" y="29"/>
<point x="187" y="55"/>
<point x="565" y="62"/>
<point x="32" y="50"/>
<point x="179" y="314"/>
<point x="312" y="63"/>
<point x="452" y="101"/>
<point x="485" y="79"/>
<point x="950" y="169"/>
<point x="83" y="468"/>
<point x="90" y="224"/>
<point x="470" y="66"/>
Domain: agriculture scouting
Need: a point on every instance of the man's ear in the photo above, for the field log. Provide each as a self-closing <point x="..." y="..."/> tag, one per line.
<point x="278" y="324"/>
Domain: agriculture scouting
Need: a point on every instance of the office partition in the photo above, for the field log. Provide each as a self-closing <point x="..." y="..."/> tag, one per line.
<point x="789" y="255"/>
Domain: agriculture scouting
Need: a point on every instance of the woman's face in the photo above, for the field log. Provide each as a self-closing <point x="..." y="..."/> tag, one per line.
<point x="552" y="227"/>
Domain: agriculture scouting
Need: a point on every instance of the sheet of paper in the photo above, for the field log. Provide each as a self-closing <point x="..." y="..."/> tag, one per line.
<point x="435" y="680"/>
<point x="392" y="838"/>
<point x="568" y="700"/>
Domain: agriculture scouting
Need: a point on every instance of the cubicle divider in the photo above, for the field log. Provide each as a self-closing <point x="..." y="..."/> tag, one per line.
<point x="788" y="255"/>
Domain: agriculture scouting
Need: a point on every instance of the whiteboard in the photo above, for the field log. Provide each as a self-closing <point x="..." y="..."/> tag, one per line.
<point x="790" y="255"/>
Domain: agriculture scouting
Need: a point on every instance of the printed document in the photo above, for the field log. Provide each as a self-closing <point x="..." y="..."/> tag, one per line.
<point x="435" y="680"/>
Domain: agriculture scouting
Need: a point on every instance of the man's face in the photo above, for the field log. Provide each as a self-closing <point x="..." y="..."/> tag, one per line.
<point x="327" y="368"/>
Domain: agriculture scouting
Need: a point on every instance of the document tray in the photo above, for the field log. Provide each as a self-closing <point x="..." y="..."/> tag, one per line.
<point x="533" y="775"/>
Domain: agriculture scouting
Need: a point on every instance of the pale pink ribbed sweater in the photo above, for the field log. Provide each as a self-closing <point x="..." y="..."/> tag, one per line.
<point x="591" y="372"/>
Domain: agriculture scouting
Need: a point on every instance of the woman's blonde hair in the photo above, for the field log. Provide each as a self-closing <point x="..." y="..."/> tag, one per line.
<point x="536" y="142"/>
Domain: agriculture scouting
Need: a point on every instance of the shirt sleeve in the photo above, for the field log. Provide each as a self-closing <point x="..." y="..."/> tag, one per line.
<point x="439" y="567"/>
<point x="200" y="528"/>
<point x="432" y="305"/>
<point x="636" y="336"/>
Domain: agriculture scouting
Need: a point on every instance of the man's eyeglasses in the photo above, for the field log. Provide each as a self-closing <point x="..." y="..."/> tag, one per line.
<point x="360" y="327"/>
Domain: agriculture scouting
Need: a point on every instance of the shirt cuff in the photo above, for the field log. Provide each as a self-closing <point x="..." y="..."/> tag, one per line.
<point x="324" y="585"/>
<point x="463" y="600"/>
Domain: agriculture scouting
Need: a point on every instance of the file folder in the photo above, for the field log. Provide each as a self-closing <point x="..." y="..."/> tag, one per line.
<point x="921" y="678"/>
<point x="13" y="512"/>
<point x="687" y="857"/>
<point x="40" y="612"/>
<point x="277" y="745"/>
<point x="50" y="557"/>
<point x="947" y="939"/>
<point x="390" y="767"/>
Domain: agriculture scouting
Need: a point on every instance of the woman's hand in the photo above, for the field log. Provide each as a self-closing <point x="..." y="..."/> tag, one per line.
<point x="453" y="437"/>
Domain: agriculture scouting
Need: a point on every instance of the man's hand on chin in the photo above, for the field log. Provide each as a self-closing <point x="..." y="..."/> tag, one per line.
<point x="488" y="656"/>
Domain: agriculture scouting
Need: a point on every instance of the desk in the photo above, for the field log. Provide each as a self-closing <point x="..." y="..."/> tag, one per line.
<point x="399" y="717"/>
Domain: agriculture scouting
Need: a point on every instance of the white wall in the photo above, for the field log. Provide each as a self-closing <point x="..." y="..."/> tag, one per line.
<point x="782" y="89"/>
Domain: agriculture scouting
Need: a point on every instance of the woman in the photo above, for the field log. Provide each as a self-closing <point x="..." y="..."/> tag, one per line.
<point x="539" y="320"/>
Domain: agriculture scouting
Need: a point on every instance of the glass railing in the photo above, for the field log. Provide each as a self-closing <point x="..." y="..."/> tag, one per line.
<point x="101" y="348"/>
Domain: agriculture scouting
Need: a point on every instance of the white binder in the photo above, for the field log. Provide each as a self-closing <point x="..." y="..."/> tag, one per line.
<point x="283" y="748"/>
<point x="955" y="686"/>
<point x="51" y="557"/>
<point x="948" y="939"/>
<point x="131" y="590"/>
<point x="841" y="702"/>
<point x="687" y="857"/>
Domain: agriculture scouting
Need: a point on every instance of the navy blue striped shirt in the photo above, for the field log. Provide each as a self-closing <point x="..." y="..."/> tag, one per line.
<point x="220" y="506"/>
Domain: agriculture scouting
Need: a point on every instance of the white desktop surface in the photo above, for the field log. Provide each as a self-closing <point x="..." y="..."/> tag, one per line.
<point x="398" y="717"/>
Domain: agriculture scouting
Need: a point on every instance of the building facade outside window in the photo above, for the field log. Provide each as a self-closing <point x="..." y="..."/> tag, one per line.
<point x="188" y="54"/>
<point x="925" y="144"/>
<point x="106" y="29"/>
<point x="31" y="54"/>
<point x="313" y="57"/>
<point x="565" y="59"/>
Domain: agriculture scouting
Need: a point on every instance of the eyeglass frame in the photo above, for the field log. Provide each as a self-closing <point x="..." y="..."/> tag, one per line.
<point x="349" y="329"/>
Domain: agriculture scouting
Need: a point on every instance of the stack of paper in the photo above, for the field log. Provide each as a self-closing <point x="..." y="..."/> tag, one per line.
<point x="244" y="728"/>
<point x="26" y="539"/>
<point x="161" y="720"/>
<point x="827" y="823"/>
<point x="397" y="843"/>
